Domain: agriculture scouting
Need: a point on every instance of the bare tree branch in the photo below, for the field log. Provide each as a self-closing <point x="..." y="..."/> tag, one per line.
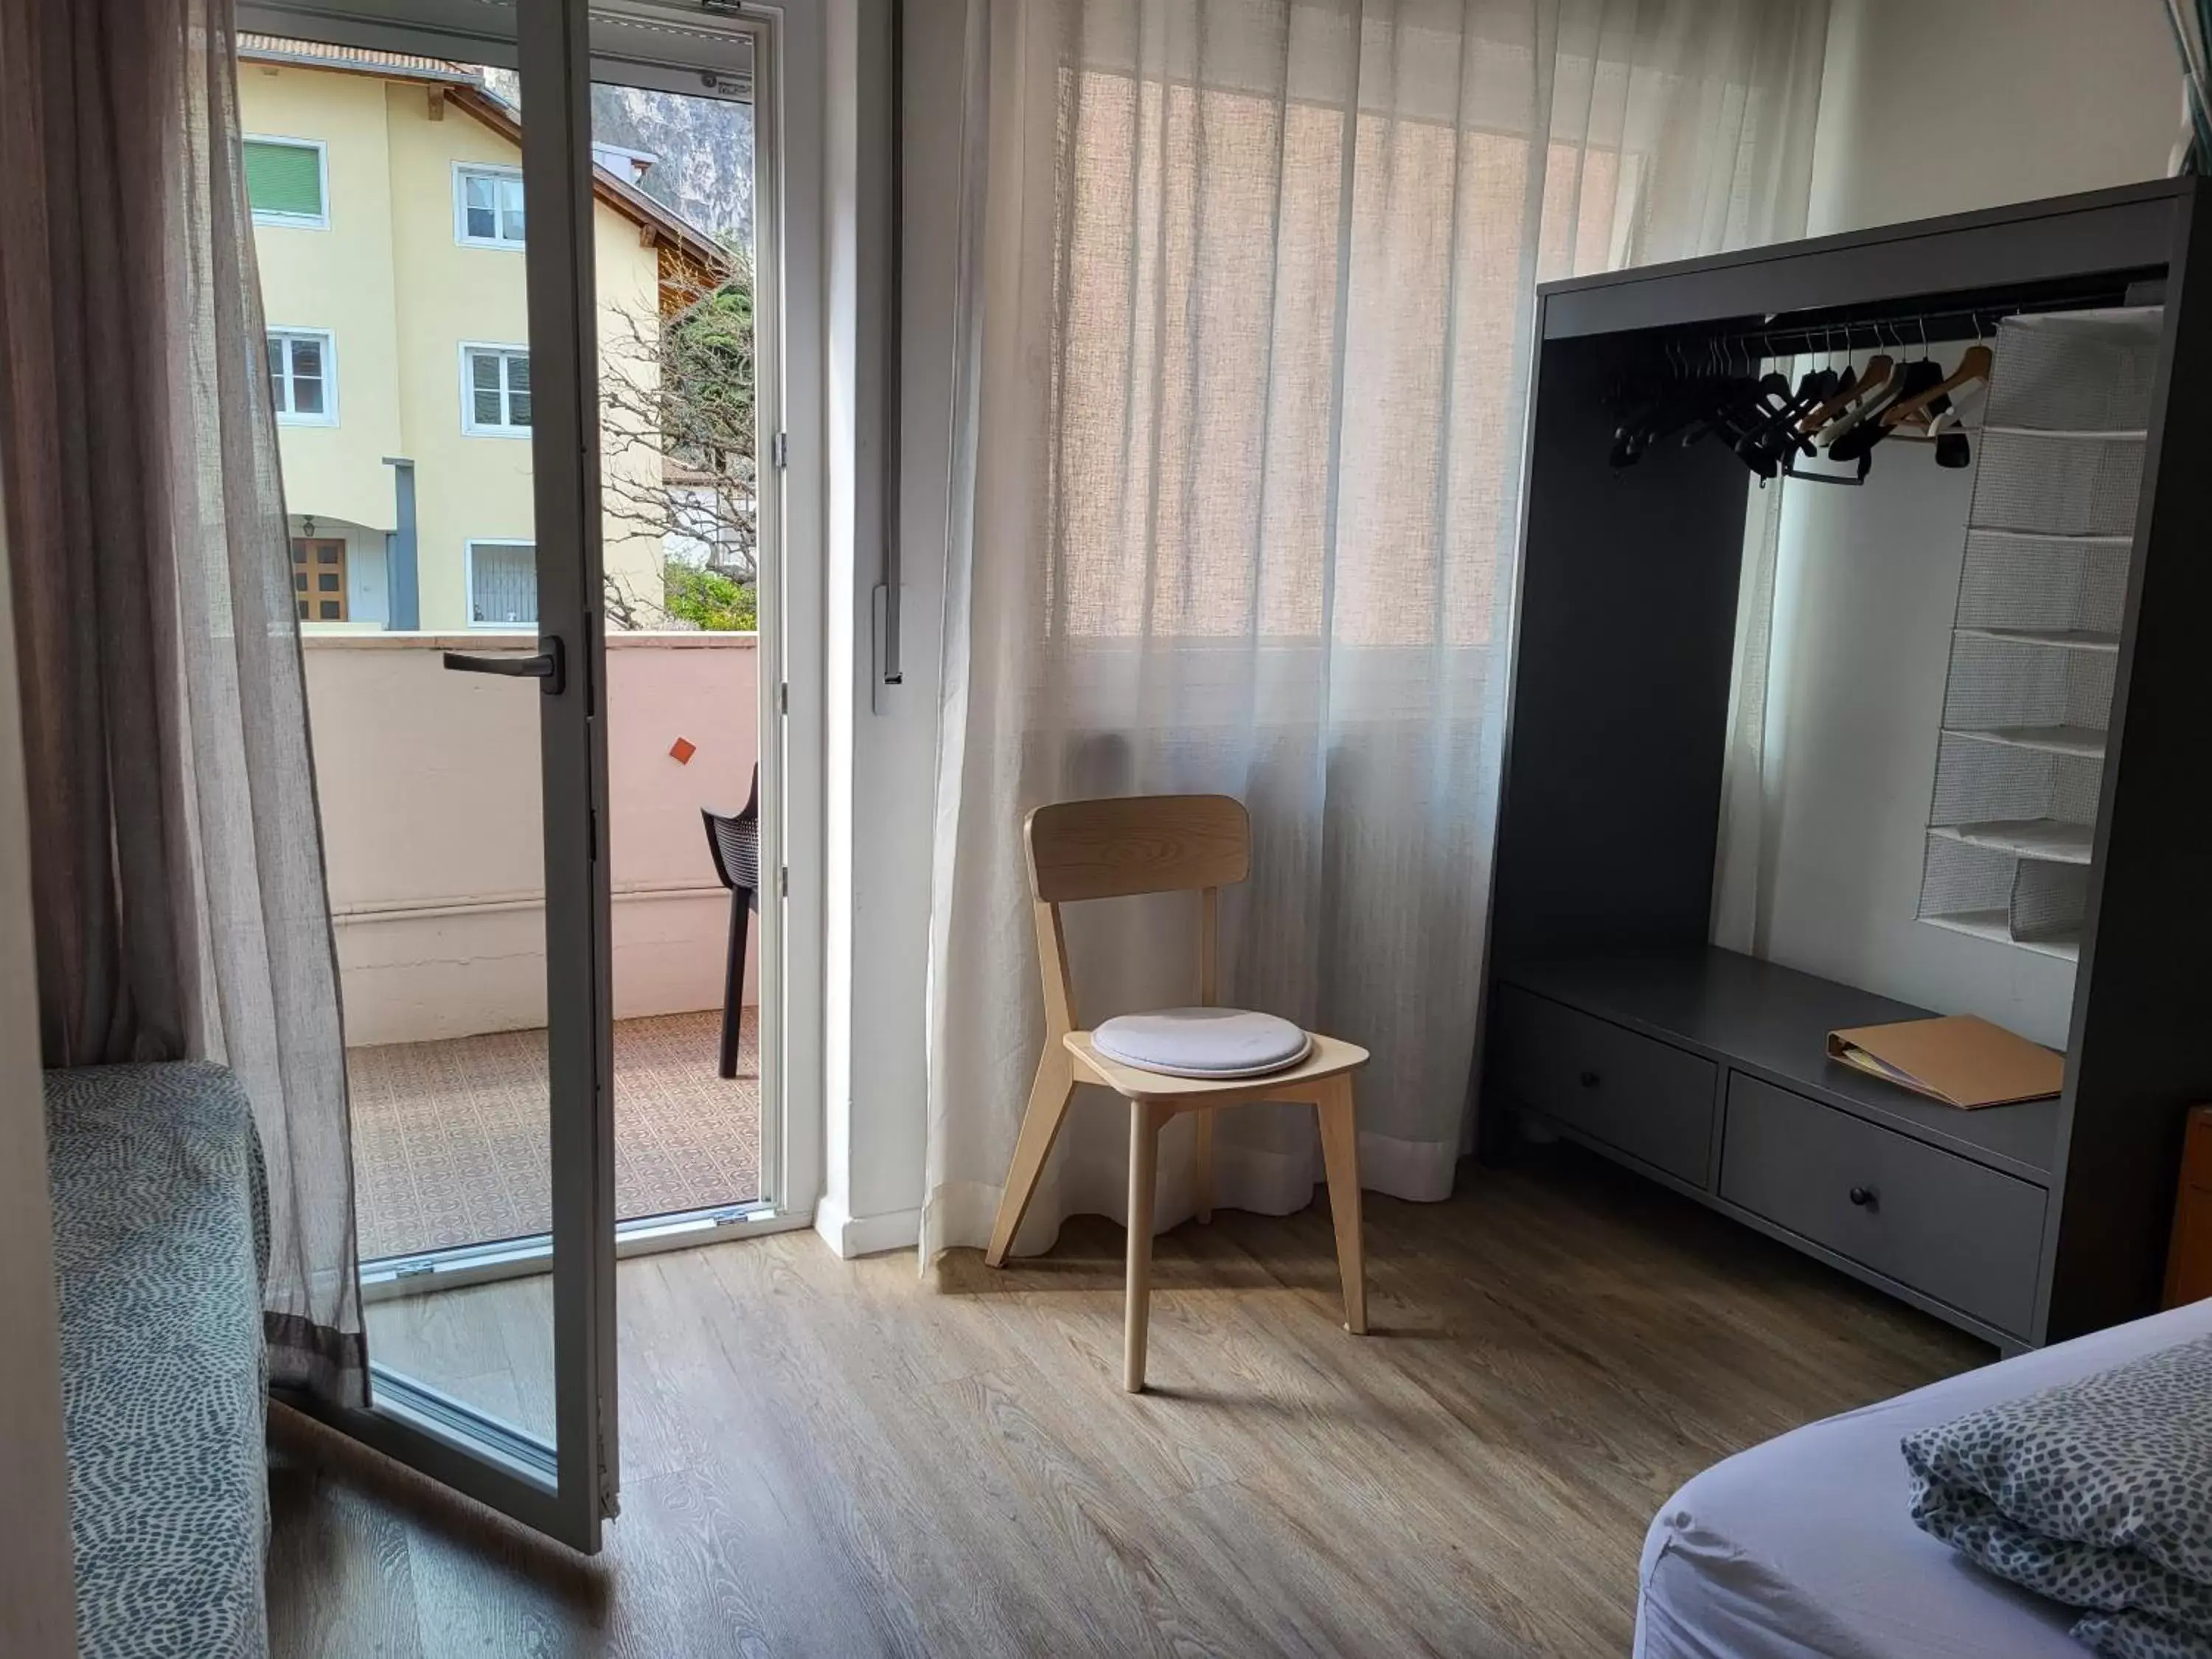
<point x="677" y="420"/>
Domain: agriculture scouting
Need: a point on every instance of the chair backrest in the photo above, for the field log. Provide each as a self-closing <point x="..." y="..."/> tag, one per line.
<point x="735" y="841"/>
<point x="1128" y="844"/>
<point x="1123" y="846"/>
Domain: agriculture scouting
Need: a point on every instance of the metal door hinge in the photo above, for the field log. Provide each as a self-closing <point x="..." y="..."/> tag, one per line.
<point x="783" y="882"/>
<point x="779" y="450"/>
<point x="783" y="698"/>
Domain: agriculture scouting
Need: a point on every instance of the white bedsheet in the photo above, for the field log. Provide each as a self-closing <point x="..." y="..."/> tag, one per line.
<point x="1801" y="1548"/>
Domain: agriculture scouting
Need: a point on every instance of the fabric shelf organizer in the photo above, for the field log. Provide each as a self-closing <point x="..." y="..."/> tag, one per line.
<point x="2036" y="638"/>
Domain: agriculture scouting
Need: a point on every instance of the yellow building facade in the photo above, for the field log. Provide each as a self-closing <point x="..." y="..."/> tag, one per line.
<point x="389" y="229"/>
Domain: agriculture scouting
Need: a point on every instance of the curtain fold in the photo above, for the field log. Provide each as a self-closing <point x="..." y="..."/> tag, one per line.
<point x="181" y="906"/>
<point x="1245" y="294"/>
<point x="1751" y="806"/>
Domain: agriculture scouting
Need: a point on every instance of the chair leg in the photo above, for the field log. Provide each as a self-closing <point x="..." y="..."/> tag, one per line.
<point x="1201" y="1165"/>
<point x="733" y="981"/>
<point x="1047" y="1109"/>
<point x="1340" y="1151"/>
<point x="1144" y="1120"/>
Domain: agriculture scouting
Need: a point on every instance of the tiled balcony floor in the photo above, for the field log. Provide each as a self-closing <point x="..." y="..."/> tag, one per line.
<point x="450" y="1138"/>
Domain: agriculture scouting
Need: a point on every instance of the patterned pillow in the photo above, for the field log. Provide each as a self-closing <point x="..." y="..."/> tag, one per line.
<point x="2097" y="1494"/>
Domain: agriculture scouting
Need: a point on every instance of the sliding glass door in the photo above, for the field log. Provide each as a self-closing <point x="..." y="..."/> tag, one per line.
<point x="428" y="224"/>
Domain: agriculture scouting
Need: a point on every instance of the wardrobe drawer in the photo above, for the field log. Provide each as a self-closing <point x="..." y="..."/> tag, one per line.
<point x="1651" y="1101"/>
<point x="1952" y="1230"/>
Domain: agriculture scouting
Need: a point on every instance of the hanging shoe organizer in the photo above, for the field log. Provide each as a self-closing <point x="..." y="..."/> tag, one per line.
<point x="2020" y="766"/>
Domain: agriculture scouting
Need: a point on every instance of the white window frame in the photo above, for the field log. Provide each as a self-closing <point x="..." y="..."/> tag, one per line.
<point x="469" y="425"/>
<point x="464" y="171"/>
<point x="296" y="221"/>
<point x="469" y="581"/>
<point x="330" y="344"/>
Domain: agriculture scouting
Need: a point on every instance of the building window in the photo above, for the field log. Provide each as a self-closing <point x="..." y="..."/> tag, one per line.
<point x="495" y="390"/>
<point x="502" y="584"/>
<point x="288" y="183"/>
<point x="303" y="377"/>
<point x="487" y="206"/>
<point x="318" y="578"/>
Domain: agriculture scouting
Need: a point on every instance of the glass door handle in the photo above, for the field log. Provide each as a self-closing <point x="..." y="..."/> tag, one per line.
<point x="549" y="666"/>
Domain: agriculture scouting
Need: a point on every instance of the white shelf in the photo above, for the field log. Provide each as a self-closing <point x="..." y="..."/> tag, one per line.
<point x="2083" y="741"/>
<point x="2051" y="536"/>
<point x="2064" y="639"/>
<point x="2116" y="434"/>
<point x="2142" y="323"/>
<point x="1992" y="925"/>
<point x="2052" y="840"/>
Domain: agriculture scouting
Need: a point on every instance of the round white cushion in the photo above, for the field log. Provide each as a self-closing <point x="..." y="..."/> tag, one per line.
<point x="1203" y="1043"/>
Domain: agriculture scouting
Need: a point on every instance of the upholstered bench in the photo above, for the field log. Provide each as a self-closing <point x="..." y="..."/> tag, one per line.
<point x="160" y="1240"/>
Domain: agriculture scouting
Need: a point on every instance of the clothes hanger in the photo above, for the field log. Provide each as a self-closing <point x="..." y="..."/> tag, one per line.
<point x="1729" y="410"/>
<point x="1908" y="417"/>
<point x="1846" y="384"/>
<point x="1879" y="379"/>
<point x="1849" y="393"/>
<point x="1852" y="436"/>
<point x="1948" y="427"/>
<point x="1974" y="364"/>
<point x="1772" y="441"/>
<point x="1869" y="429"/>
<point x="1840" y="387"/>
<point x="1679" y="396"/>
<point x="1770" y="448"/>
<point x="1938" y="415"/>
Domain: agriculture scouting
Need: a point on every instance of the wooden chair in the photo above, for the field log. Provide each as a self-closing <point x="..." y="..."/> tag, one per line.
<point x="1117" y="849"/>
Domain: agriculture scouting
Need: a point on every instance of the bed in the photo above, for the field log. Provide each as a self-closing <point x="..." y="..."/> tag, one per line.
<point x="1802" y="1548"/>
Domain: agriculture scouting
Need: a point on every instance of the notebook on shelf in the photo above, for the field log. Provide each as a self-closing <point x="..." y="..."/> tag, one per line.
<point x="1958" y="1059"/>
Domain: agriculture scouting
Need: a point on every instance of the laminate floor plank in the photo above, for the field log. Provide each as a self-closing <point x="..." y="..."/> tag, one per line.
<point x="354" y="1552"/>
<point x="840" y="1459"/>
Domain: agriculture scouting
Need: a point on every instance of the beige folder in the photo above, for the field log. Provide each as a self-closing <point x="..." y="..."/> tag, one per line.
<point x="1961" y="1061"/>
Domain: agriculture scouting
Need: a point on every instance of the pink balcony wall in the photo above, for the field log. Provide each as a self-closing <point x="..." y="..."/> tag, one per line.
<point x="431" y="811"/>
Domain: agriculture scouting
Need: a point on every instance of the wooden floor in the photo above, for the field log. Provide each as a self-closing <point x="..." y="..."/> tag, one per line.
<point x="823" y="1457"/>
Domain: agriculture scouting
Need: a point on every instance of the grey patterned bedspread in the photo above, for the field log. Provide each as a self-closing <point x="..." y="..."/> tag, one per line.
<point x="159" y="1237"/>
<point x="2097" y="1494"/>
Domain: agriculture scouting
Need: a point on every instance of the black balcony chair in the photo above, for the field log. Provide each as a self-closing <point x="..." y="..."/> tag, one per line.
<point x="735" y="843"/>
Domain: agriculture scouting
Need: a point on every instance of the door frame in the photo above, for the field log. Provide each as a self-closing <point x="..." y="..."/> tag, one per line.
<point x="792" y="377"/>
<point x="413" y="1424"/>
<point x="789" y="656"/>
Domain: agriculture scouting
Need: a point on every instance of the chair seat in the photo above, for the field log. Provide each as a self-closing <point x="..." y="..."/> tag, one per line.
<point x="1203" y="1043"/>
<point x="1329" y="1057"/>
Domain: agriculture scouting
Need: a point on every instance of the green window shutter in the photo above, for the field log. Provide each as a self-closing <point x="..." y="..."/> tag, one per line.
<point x="285" y="179"/>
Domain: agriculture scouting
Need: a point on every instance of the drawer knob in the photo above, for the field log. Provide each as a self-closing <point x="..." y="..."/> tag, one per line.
<point x="1866" y="1198"/>
<point x="1589" y="1080"/>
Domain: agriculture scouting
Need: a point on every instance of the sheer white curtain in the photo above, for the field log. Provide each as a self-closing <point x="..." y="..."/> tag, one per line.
<point x="1247" y="286"/>
<point x="180" y="905"/>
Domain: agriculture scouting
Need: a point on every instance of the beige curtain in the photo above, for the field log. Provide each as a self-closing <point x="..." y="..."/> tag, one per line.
<point x="180" y="905"/>
<point x="1246" y="293"/>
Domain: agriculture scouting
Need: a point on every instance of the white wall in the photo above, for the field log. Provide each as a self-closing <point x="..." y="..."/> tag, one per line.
<point x="428" y="783"/>
<point x="884" y="739"/>
<point x="1866" y="585"/>
<point x="1930" y="106"/>
<point x="38" y="1604"/>
<point x="1925" y="109"/>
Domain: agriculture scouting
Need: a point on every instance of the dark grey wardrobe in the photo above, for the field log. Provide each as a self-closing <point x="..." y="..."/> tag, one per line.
<point x="1609" y="1014"/>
